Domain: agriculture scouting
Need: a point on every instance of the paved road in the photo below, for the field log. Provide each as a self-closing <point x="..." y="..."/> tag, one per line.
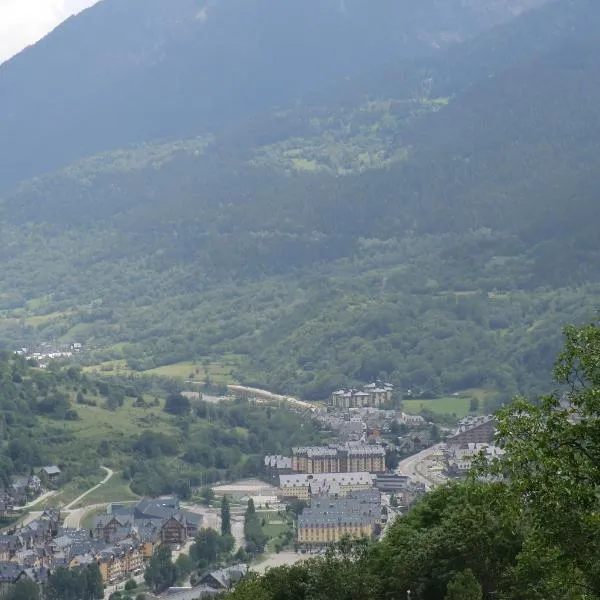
<point x="73" y="517"/>
<point x="37" y="500"/>
<point x="413" y="467"/>
<point x="270" y="396"/>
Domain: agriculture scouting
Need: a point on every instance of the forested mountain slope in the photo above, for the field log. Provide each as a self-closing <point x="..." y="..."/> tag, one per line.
<point x="148" y="69"/>
<point x="449" y="256"/>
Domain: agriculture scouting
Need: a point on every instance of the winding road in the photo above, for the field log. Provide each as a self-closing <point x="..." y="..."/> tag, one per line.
<point x="37" y="500"/>
<point x="109" y="474"/>
<point x="73" y="516"/>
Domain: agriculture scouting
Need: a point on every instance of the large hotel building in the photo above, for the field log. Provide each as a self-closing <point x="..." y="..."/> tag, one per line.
<point x="343" y="458"/>
<point x="328" y="520"/>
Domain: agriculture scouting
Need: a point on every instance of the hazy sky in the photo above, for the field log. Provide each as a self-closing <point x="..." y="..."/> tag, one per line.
<point x="24" y="22"/>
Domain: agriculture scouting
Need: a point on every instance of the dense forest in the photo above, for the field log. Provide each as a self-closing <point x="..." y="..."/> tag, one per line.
<point x="146" y="70"/>
<point x="522" y="528"/>
<point x="432" y="223"/>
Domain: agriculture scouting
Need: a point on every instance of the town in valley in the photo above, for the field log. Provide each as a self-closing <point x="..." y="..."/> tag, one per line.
<point x="374" y="463"/>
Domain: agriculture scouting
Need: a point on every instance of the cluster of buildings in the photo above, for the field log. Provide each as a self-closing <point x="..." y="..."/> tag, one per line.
<point x="47" y="352"/>
<point x="459" y="458"/>
<point x="361" y="424"/>
<point x="23" y="489"/>
<point x="358" y="514"/>
<point x="372" y="395"/>
<point x="30" y="551"/>
<point x="343" y="427"/>
<point x="347" y="457"/>
<point x="474" y="438"/>
<point x="120" y="541"/>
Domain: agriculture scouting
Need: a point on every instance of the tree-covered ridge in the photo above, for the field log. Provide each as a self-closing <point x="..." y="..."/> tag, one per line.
<point x="446" y="270"/>
<point x="148" y="70"/>
<point x="526" y="530"/>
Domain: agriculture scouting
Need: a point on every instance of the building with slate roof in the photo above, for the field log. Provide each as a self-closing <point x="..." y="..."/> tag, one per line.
<point x="151" y="520"/>
<point x="10" y="573"/>
<point x="305" y="485"/>
<point x="328" y="520"/>
<point x="224" y="579"/>
<point x="277" y="465"/>
<point x="351" y="457"/>
<point x="373" y="395"/>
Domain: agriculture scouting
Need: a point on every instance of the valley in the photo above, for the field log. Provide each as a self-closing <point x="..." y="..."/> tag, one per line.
<point x="309" y="287"/>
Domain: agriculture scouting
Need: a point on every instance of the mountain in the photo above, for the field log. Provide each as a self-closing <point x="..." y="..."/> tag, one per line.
<point x="439" y="235"/>
<point x="158" y="69"/>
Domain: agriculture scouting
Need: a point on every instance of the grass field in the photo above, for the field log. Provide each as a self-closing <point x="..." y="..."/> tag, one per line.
<point x="451" y="405"/>
<point x="459" y="405"/>
<point x="110" y="366"/>
<point x="70" y="491"/>
<point x="98" y="423"/>
<point x="35" y="320"/>
<point x="88" y="520"/>
<point x="218" y="372"/>
<point x="116" y="489"/>
<point x="273" y="530"/>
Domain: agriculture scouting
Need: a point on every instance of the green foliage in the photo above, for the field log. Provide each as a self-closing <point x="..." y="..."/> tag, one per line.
<point x="207" y="494"/>
<point x="205" y="549"/>
<point x="160" y="572"/>
<point x="209" y="547"/>
<point x="464" y="586"/>
<point x="320" y="280"/>
<point x="253" y="532"/>
<point x="75" y="584"/>
<point x="225" y="517"/>
<point x="25" y="589"/>
<point x="95" y="104"/>
<point x="552" y="459"/>
<point x="185" y="566"/>
<point x="176" y="404"/>
<point x="156" y="454"/>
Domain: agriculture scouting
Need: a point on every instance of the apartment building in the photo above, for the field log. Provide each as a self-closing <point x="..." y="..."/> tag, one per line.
<point x="121" y="561"/>
<point x="329" y="520"/>
<point x="303" y="486"/>
<point x="343" y="458"/>
<point x="371" y="395"/>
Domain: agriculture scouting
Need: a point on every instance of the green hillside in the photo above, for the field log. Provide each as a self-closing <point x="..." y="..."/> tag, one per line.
<point x="439" y="236"/>
<point x="141" y="427"/>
